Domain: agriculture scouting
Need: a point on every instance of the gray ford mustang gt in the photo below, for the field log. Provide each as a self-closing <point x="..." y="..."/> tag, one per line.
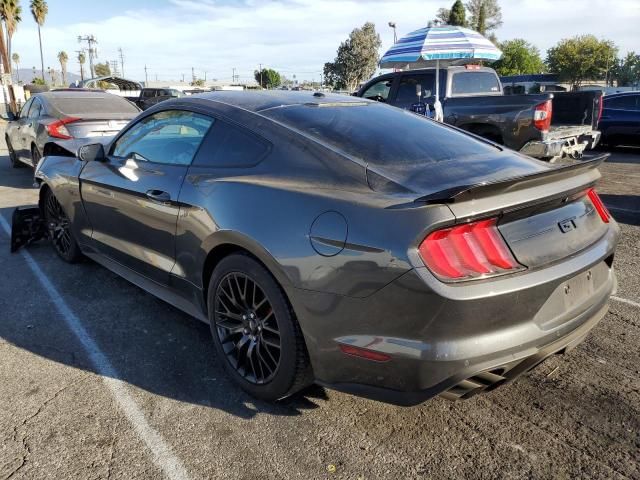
<point x="340" y="241"/>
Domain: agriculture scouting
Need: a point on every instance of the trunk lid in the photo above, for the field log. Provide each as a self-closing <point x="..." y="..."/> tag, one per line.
<point x="87" y="128"/>
<point x="544" y="217"/>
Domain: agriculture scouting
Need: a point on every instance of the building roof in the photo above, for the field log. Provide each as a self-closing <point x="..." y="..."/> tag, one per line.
<point x="121" y="83"/>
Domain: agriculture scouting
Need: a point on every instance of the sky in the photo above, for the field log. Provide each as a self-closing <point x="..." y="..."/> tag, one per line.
<point x="295" y="37"/>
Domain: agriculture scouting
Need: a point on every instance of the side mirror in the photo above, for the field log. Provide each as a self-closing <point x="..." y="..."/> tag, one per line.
<point x="92" y="152"/>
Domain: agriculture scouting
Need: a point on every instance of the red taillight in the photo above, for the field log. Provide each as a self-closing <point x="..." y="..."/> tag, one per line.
<point x="542" y="116"/>
<point x="58" y="129"/>
<point x="364" y="353"/>
<point x="599" y="206"/>
<point x="468" y="251"/>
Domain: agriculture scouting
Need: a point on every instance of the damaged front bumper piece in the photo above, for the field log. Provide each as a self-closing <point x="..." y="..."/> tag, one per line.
<point x="27" y="226"/>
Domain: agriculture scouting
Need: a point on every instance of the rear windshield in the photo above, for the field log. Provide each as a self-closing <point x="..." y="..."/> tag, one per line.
<point x="412" y="151"/>
<point x="380" y="134"/>
<point x="469" y="82"/>
<point x="82" y="104"/>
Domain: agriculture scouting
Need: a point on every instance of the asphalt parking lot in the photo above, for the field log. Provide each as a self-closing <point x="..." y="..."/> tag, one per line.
<point x="100" y="380"/>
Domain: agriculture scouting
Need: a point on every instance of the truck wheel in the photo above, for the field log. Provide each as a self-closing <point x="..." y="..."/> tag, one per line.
<point x="255" y="332"/>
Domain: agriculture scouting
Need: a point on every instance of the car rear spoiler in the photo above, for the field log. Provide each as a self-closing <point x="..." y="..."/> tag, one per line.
<point x="467" y="192"/>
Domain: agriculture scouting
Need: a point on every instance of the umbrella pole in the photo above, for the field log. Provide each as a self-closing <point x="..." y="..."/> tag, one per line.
<point x="439" y="114"/>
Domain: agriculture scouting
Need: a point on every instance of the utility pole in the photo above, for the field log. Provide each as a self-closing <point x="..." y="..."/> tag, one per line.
<point x="205" y="75"/>
<point x="146" y="78"/>
<point x="93" y="51"/>
<point x="121" y="54"/>
<point x="183" y="78"/>
<point x="193" y="76"/>
<point x="114" y="68"/>
<point x="261" y="76"/>
<point x="233" y="76"/>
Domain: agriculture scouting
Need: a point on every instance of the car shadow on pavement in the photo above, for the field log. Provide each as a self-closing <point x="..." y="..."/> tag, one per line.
<point x="622" y="154"/>
<point x="150" y="344"/>
<point x="624" y="208"/>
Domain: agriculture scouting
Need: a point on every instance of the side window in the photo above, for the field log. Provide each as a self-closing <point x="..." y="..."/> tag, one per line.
<point x="408" y="89"/>
<point x="469" y="82"/>
<point x="627" y="102"/>
<point x="229" y="146"/>
<point x="148" y="93"/>
<point x="379" y="91"/>
<point x="168" y="137"/>
<point x="24" y="113"/>
<point x="36" y="108"/>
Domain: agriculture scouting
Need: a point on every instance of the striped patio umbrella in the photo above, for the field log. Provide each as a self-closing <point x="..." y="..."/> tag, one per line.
<point x="432" y="46"/>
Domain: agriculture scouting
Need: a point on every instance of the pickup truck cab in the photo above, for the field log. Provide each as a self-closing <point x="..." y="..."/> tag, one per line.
<point x="549" y="126"/>
<point x="150" y="96"/>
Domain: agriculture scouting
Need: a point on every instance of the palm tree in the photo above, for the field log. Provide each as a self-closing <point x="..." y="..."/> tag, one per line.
<point x="39" y="11"/>
<point x="16" y="59"/>
<point x="63" y="58"/>
<point x="10" y="11"/>
<point x="81" y="59"/>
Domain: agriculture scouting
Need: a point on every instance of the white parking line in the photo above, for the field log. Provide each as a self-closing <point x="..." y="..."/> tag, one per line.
<point x="162" y="454"/>
<point x="628" y="302"/>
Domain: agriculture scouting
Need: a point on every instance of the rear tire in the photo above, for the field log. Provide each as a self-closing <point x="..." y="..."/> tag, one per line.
<point x="59" y="228"/>
<point x="255" y="332"/>
<point x="13" y="158"/>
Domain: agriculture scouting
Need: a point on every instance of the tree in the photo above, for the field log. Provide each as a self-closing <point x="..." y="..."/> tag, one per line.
<point x="581" y="58"/>
<point x="519" y="57"/>
<point x="39" y="10"/>
<point x="267" y="78"/>
<point x="486" y="15"/>
<point x="627" y="70"/>
<point x="10" y="11"/>
<point x="198" y="83"/>
<point x="443" y="15"/>
<point x="63" y="58"/>
<point x="16" y="59"/>
<point x="457" y="16"/>
<point x="82" y="58"/>
<point x="356" y="59"/>
<point x="102" y="69"/>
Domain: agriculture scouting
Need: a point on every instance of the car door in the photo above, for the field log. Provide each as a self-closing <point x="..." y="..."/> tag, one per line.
<point x="131" y="199"/>
<point x="620" y="121"/>
<point x="15" y="130"/>
<point x="29" y="129"/>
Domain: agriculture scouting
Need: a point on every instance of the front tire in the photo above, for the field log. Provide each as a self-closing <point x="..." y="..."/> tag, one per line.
<point x="59" y="228"/>
<point x="255" y="332"/>
<point x="13" y="158"/>
<point x="35" y="156"/>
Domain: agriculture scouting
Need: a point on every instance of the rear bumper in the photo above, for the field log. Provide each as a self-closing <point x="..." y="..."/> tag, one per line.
<point x="456" y="340"/>
<point x="572" y="146"/>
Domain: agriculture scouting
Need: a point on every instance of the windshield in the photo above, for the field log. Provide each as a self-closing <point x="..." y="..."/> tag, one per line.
<point x="409" y="149"/>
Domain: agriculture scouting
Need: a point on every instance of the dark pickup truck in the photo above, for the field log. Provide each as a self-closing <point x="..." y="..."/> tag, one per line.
<point x="549" y="126"/>
<point x="150" y="96"/>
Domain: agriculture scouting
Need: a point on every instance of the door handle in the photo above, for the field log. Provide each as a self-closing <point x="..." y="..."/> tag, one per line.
<point x="158" y="196"/>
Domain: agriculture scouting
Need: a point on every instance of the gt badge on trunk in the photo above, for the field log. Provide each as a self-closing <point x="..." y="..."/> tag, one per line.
<point x="567" y="225"/>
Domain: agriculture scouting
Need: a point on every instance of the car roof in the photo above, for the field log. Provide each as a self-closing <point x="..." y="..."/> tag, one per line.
<point x="257" y="101"/>
<point x="74" y="94"/>
<point x="622" y="94"/>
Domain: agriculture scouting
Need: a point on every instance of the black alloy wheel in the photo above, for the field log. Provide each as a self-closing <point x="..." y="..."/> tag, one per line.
<point x="255" y="331"/>
<point x="59" y="229"/>
<point x="247" y="328"/>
